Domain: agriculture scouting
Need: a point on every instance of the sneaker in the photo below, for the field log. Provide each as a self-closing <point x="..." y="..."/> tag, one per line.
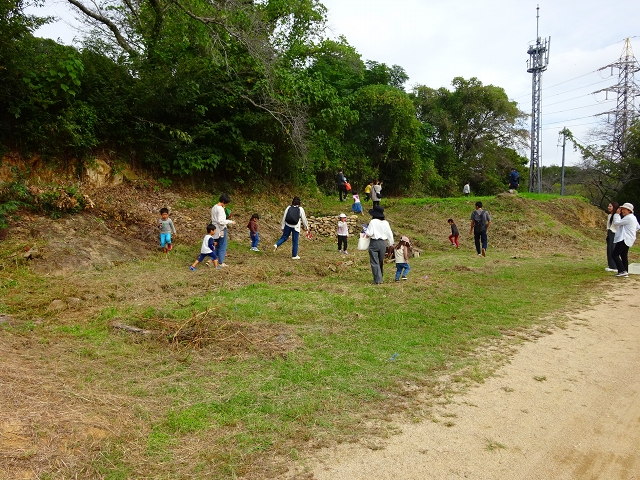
<point x="484" y="252"/>
<point x="297" y="257"/>
<point x="170" y="247"/>
<point x="275" y="247"/>
<point x="610" y="269"/>
<point x="453" y="244"/>
<point x="479" y="254"/>
<point x="404" y="278"/>
<point x="621" y="274"/>
<point x="397" y="279"/>
<point x="255" y="249"/>
<point x="345" y="252"/>
<point x="208" y="264"/>
<point x="192" y="268"/>
<point x="223" y="265"/>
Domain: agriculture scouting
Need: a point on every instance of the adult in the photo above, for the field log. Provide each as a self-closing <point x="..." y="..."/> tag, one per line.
<point x="612" y="208"/>
<point x="514" y="179"/>
<point x="376" y="193"/>
<point x="466" y="189"/>
<point x="341" y="181"/>
<point x="219" y="219"/>
<point x="381" y="235"/>
<point x="480" y="221"/>
<point x="293" y="216"/>
<point x="624" y="238"/>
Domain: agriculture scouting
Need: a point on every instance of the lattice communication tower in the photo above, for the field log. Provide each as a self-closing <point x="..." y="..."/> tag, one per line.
<point x="628" y="92"/>
<point x="537" y="63"/>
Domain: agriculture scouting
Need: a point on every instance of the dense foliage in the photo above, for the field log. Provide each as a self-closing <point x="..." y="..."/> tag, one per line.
<point x="243" y="90"/>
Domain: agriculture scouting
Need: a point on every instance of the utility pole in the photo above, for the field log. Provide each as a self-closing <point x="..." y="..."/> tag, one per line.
<point x="563" y="132"/>
<point x="537" y="63"/>
<point x="627" y="91"/>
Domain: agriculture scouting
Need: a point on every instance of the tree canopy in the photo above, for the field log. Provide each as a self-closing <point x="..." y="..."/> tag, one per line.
<point x="239" y="89"/>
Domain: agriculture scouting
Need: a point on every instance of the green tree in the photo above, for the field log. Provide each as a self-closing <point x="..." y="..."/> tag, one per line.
<point x="477" y="130"/>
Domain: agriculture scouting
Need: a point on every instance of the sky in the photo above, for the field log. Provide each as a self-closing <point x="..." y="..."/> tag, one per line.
<point x="438" y="40"/>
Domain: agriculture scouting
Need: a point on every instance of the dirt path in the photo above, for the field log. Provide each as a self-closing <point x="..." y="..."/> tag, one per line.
<point x="566" y="407"/>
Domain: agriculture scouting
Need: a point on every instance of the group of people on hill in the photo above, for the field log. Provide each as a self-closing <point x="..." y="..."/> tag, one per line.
<point x="622" y="226"/>
<point x="372" y="191"/>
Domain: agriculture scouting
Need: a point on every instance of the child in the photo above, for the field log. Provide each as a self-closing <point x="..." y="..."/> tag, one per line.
<point x="253" y="232"/>
<point x="367" y="191"/>
<point x="208" y="248"/>
<point x="166" y="229"/>
<point x="402" y="258"/>
<point x="357" y="206"/>
<point x="343" y="233"/>
<point x="453" y="238"/>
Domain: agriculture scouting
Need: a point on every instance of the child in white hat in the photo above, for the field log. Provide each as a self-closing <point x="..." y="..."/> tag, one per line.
<point x="402" y="254"/>
<point x="343" y="234"/>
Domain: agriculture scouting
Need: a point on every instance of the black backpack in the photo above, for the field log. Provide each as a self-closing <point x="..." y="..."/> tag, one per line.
<point x="293" y="215"/>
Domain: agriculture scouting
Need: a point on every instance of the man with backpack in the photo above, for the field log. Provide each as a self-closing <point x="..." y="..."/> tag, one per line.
<point x="480" y="221"/>
<point x="293" y="216"/>
<point x="341" y="182"/>
<point x="514" y="179"/>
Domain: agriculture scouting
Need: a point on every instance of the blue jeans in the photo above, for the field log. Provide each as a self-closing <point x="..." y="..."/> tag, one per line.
<point x="255" y="239"/>
<point x="480" y="236"/>
<point x="294" y="239"/>
<point x="400" y="267"/>
<point x="221" y="248"/>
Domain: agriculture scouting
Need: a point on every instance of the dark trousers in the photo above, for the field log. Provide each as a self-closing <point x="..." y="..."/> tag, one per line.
<point x="342" y="242"/>
<point x="621" y="256"/>
<point x="478" y="237"/>
<point x="377" y="249"/>
<point x="610" y="261"/>
<point x="342" y="191"/>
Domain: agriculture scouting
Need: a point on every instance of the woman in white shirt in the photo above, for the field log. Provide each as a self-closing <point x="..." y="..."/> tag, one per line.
<point x="624" y="238"/>
<point x="219" y="219"/>
<point x="381" y="235"/>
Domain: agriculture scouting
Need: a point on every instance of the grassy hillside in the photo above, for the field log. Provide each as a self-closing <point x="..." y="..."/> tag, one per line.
<point x="241" y="370"/>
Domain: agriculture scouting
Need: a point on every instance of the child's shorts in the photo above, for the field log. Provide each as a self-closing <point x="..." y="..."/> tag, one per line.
<point x="165" y="239"/>
<point x="205" y="255"/>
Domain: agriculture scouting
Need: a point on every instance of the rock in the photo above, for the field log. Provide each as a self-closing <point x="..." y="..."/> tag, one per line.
<point x="31" y="254"/>
<point x="4" y="318"/>
<point x="57" y="305"/>
<point x="73" y="301"/>
<point x="100" y="174"/>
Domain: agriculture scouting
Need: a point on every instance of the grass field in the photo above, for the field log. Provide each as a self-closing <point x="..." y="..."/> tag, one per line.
<point x="244" y="369"/>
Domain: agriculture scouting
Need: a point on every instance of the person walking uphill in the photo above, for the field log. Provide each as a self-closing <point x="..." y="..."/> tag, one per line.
<point x="480" y="221"/>
<point x="219" y="219"/>
<point x="381" y="235"/>
<point x="341" y="181"/>
<point x="625" y="236"/>
<point x="293" y="216"/>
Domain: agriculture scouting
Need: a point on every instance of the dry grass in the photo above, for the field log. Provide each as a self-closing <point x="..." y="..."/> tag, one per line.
<point x="94" y="408"/>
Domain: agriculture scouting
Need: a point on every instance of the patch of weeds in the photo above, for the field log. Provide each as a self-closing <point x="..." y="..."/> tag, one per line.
<point x="110" y="464"/>
<point x="507" y="389"/>
<point x="492" y="445"/>
<point x="540" y="378"/>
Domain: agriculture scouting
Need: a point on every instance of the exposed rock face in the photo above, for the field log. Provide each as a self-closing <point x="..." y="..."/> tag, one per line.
<point x="100" y="174"/>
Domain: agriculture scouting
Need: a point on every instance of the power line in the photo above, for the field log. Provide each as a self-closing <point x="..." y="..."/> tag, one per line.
<point x="575" y="125"/>
<point x="576" y="108"/>
<point x="566" y="81"/>
<point x="568" y="100"/>
<point x="565" y="121"/>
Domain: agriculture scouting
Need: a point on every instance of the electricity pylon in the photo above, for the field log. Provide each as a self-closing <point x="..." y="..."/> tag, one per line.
<point x="537" y="63"/>
<point x="627" y="91"/>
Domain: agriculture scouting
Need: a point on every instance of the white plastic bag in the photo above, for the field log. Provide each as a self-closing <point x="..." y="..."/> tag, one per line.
<point x="363" y="242"/>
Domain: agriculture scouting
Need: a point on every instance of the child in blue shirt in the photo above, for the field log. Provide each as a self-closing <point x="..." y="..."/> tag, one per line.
<point x="208" y="248"/>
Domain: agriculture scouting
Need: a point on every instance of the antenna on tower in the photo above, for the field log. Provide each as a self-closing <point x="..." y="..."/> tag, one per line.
<point x="537" y="63"/>
<point x="627" y="90"/>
